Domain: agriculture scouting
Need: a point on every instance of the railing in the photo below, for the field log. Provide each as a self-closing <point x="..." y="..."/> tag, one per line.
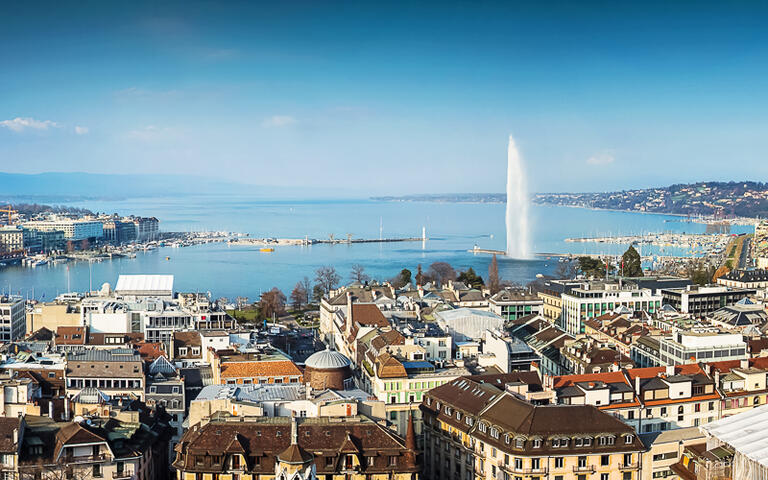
<point x="584" y="469"/>
<point x="542" y="470"/>
<point x="123" y="474"/>
<point x="628" y="466"/>
<point x="100" y="457"/>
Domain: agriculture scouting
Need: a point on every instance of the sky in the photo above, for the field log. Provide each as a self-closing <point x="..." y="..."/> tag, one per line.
<point x="388" y="97"/>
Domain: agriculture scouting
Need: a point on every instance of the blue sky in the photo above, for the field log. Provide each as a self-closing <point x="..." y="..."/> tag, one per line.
<point x="388" y="97"/>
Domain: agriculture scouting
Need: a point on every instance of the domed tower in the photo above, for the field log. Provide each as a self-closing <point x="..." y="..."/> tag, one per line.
<point x="327" y="369"/>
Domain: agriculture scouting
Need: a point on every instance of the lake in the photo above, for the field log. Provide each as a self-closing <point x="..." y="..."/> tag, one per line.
<point x="231" y="271"/>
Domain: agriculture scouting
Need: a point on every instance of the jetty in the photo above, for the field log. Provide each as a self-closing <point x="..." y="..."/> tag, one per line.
<point x="331" y="240"/>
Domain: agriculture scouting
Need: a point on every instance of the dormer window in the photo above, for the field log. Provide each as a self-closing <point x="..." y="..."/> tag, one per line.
<point x="494" y="432"/>
<point x="519" y="443"/>
<point x="182" y="351"/>
<point x="458" y="415"/>
<point x="537" y="443"/>
<point x="507" y="438"/>
<point x="482" y="427"/>
<point x="448" y="410"/>
<point x="629" y="439"/>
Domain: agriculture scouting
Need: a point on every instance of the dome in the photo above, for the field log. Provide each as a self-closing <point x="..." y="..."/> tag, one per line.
<point x="327" y="359"/>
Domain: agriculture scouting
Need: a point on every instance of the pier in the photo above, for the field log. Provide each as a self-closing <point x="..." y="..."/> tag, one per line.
<point x="331" y="240"/>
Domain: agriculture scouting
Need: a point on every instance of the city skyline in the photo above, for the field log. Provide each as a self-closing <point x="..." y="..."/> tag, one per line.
<point x="309" y="95"/>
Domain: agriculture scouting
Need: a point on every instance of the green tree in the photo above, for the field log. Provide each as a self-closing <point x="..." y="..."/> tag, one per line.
<point x="402" y="279"/>
<point x="471" y="279"/>
<point x="592" y="267"/>
<point x="494" y="283"/>
<point x="631" y="263"/>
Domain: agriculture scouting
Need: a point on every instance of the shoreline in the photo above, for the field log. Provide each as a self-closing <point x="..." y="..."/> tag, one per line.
<point x="738" y="220"/>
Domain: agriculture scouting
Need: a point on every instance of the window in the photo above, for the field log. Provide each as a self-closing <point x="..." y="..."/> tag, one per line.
<point x="663" y="412"/>
<point x="97" y="470"/>
<point x="582" y="462"/>
<point x="558" y="462"/>
<point x="494" y="432"/>
<point x="629" y="439"/>
<point x="519" y="443"/>
<point x="482" y="427"/>
<point x="537" y="443"/>
<point x="605" y="460"/>
<point x="518" y="463"/>
<point x="604" y="476"/>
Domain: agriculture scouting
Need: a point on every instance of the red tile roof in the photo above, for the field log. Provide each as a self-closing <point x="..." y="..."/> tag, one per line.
<point x="649" y="372"/>
<point x="607" y="377"/>
<point x="268" y="368"/>
<point x="70" y="336"/>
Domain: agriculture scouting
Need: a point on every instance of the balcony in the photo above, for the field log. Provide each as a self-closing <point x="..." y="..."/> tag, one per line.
<point x="123" y="474"/>
<point x="100" y="457"/>
<point x="584" y="469"/>
<point x="629" y="466"/>
<point x="542" y="470"/>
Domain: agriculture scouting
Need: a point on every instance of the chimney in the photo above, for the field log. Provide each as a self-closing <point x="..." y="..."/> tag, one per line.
<point x="744" y="364"/>
<point x="294" y="429"/>
<point x="349" y="313"/>
<point x="15" y="436"/>
<point x="670" y="370"/>
<point x="637" y="385"/>
<point x="50" y="409"/>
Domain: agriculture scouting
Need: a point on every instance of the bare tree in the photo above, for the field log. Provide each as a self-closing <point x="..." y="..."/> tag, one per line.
<point x="494" y="283"/>
<point x="358" y="274"/>
<point x="299" y="296"/>
<point x="307" y="287"/>
<point x="272" y="303"/>
<point x="327" y="278"/>
<point x="566" y="269"/>
<point x="442" y="272"/>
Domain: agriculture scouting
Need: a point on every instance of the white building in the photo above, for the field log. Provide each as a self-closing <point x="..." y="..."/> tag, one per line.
<point x="13" y="318"/>
<point x="704" y="345"/>
<point x="468" y="323"/>
<point x="73" y="229"/>
<point x="137" y="286"/>
<point x="11" y="239"/>
<point x="507" y="353"/>
<point x="596" y="298"/>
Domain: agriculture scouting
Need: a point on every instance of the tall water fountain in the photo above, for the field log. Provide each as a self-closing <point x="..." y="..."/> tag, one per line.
<point x="518" y="245"/>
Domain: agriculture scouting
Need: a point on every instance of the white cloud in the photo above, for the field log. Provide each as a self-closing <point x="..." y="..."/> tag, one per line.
<point x="19" y="124"/>
<point x="602" y="158"/>
<point x="81" y="130"/>
<point x="278" y="121"/>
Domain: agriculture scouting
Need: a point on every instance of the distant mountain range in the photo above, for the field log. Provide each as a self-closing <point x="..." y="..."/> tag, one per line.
<point x="744" y="199"/>
<point x="56" y="186"/>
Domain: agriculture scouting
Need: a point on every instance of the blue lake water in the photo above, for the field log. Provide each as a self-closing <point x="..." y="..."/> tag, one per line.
<point x="231" y="271"/>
